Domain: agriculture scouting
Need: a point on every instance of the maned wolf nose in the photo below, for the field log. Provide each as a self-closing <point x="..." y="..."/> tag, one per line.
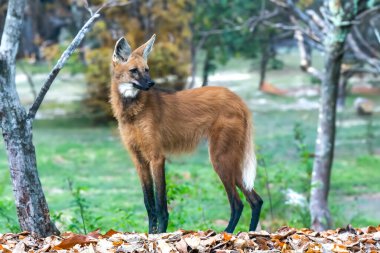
<point x="151" y="83"/>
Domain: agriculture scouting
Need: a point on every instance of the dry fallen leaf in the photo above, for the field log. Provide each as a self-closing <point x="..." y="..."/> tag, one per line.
<point x="286" y="239"/>
<point x="73" y="240"/>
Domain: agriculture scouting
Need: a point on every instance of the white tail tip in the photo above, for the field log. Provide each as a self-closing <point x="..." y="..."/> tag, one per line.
<point x="249" y="169"/>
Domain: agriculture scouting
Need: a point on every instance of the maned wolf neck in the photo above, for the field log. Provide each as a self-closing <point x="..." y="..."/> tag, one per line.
<point x="125" y="109"/>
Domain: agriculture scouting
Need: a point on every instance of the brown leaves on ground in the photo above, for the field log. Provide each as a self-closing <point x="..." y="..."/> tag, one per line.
<point x="284" y="240"/>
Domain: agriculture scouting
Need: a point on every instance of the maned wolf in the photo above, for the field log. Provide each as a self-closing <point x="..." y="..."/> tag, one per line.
<point x="154" y="123"/>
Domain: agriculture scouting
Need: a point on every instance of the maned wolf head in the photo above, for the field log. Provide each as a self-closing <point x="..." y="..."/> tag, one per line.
<point x="130" y="69"/>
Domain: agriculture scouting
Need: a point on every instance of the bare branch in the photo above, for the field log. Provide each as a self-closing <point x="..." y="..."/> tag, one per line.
<point x="61" y="62"/>
<point x="377" y="34"/>
<point x="374" y="27"/>
<point x="375" y="63"/>
<point x="253" y="22"/>
<point x="316" y="18"/>
<point x="220" y="31"/>
<point x="30" y="80"/>
<point x="305" y="61"/>
<point x="201" y="42"/>
<point x="357" y="35"/>
<point x="87" y="7"/>
<point x="116" y="3"/>
<point x="250" y="23"/>
<point x="314" y="41"/>
<point x="294" y="10"/>
<point x="367" y="12"/>
<point x="361" y="70"/>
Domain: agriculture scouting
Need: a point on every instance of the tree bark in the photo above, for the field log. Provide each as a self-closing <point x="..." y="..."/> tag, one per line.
<point x="16" y="124"/>
<point x="343" y="12"/>
<point x="32" y="209"/>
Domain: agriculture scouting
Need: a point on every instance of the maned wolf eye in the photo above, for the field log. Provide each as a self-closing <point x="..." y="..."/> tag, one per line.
<point x="134" y="71"/>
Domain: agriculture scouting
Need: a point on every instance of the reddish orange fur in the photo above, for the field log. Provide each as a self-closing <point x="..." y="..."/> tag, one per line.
<point x="175" y="123"/>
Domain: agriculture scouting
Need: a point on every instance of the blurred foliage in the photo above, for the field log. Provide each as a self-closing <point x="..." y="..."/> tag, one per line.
<point x="53" y="52"/>
<point x="83" y="220"/>
<point x="98" y="81"/>
<point x="225" y="36"/>
<point x="288" y="191"/>
<point x="137" y="22"/>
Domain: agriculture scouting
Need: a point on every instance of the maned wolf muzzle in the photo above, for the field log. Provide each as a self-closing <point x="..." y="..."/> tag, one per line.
<point x="144" y="83"/>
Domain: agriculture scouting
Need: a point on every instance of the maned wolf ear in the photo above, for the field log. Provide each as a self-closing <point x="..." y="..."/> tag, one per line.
<point x="145" y="49"/>
<point x="149" y="46"/>
<point x="122" y="50"/>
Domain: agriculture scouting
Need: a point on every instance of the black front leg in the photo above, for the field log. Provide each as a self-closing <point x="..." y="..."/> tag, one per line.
<point x="158" y="171"/>
<point x="143" y="170"/>
<point x="150" y="206"/>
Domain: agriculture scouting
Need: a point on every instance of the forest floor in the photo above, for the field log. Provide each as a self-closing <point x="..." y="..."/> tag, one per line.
<point x="285" y="239"/>
<point x="71" y="149"/>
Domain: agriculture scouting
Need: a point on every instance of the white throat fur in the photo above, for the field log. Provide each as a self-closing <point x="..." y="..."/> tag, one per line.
<point x="127" y="90"/>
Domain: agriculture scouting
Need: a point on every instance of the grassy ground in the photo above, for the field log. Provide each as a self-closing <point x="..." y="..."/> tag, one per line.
<point x="71" y="149"/>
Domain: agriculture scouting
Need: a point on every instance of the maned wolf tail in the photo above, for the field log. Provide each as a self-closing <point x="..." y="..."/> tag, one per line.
<point x="249" y="162"/>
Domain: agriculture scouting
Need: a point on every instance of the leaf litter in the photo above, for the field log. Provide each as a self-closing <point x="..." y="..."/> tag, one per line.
<point x="285" y="239"/>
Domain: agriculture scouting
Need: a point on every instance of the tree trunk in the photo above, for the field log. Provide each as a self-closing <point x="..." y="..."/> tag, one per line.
<point x="206" y="69"/>
<point x="343" y="90"/>
<point x="268" y="52"/>
<point x="193" y="52"/>
<point x="193" y="64"/>
<point x="324" y="153"/>
<point x="263" y="66"/>
<point x="32" y="209"/>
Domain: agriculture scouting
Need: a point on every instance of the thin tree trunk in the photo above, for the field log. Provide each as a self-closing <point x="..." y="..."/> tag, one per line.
<point x="32" y="209"/>
<point x="269" y="52"/>
<point x="263" y="66"/>
<point x="193" y="64"/>
<point x="324" y="153"/>
<point x="343" y="89"/>
<point x="193" y="52"/>
<point x="16" y="124"/>
<point x="206" y="69"/>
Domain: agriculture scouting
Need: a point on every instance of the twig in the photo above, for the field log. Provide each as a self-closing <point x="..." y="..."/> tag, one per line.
<point x="30" y="80"/>
<point x="306" y="19"/>
<point x="250" y="23"/>
<point x="61" y="62"/>
<point x="78" y="201"/>
<point x="87" y="7"/>
<point x="366" y="12"/>
<point x="267" y="186"/>
<point x="357" y="35"/>
<point x="305" y="58"/>
<point x="361" y="55"/>
<point x="67" y="53"/>
<point x="377" y="34"/>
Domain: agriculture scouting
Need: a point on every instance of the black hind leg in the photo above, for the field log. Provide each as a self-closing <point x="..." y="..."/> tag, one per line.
<point x="236" y="206"/>
<point x="256" y="203"/>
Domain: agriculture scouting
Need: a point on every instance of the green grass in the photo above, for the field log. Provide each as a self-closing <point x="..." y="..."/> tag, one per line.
<point x="94" y="159"/>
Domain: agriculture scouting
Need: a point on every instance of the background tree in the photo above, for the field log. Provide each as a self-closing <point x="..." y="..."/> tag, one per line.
<point x="238" y="33"/>
<point x="16" y="124"/>
<point x="327" y="33"/>
<point x="221" y="37"/>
